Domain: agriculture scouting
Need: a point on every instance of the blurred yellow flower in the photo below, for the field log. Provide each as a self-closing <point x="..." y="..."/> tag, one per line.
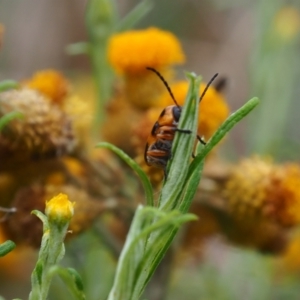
<point x="291" y="258"/>
<point x="81" y="111"/>
<point x="246" y="188"/>
<point x="259" y="189"/>
<point x="283" y="195"/>
<point x="287" y="22"/>
<point x="60" y="209"/>
<point x="213" y="107"/>
<point x="50" y="83"/>
<point x="133" y="51"/>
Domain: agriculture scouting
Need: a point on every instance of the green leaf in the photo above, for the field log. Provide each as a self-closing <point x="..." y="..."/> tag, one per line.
<point x="138" y="259"/>
<point x="182" y="148"/>
<point x="135" y="15"/>
<point x="8" y="85"/>
<point x="42" y="217"/>
<point x="6" y="247"/>
<point x="4" y="120"/>
<point x="191" y="188"/>
<point x="71" y="278"/>
<point x="231" y="121"/>
<point x="77" y="278"/>
<point x="130" y="162"/>
<point x="38" y="272"/>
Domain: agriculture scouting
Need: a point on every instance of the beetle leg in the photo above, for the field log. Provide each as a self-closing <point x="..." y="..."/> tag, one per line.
<point x="189" y="131"/>
<point x="200" y="139"/>
<point x="183" y="130"/>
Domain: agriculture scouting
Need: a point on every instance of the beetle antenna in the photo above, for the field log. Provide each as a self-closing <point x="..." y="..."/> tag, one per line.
<point x="207" y="86"/>
<point x="165" y="83"/>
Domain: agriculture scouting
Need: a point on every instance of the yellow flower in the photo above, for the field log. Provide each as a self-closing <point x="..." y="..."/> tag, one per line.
<point x="133" y="51"/>
<point x="81" y="111"/>
<point x="259" y="189"/>
<point x="74" y="166"/>
<point x="291" y="258"/>
<point x="213" y="107"/>
<point x="60" y="209"/>
<point x="283" y="195"/>
<point x="251" y="208"/>
<point x="50" y="83"/>
<point x="287" y="22"/>
<point x="87" y="208"/>
<point x="246" y="188"/>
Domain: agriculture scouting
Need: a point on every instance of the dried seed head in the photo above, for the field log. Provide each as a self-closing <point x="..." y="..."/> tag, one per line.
<point x="43" y="130"/>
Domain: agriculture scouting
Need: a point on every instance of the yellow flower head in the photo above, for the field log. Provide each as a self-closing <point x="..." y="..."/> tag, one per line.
<point x="291" y="258"/>
<point x="259" y="189"/>
<point x="87" y="208"/>
<point x="133" y="51"/>
<point x="50" y="83"/>
<point x="250" y="207"/>
<point x="60" y="209"/>
<point x="213" y="107"/>
<point x="246" y="188"/>
<point x="81" y="111"/>
<point x="283" y="195"/>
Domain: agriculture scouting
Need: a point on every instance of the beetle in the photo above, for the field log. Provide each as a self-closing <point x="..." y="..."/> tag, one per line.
<point x="159" y="144"/>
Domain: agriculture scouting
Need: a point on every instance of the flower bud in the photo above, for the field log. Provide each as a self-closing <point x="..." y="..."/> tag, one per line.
<point x="59" y="209"/>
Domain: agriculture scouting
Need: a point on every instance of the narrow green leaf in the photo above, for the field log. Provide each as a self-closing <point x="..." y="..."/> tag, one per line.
<point x="135" y="264"/>
<point x="222" y="131"/>
<point x="143" y="177"/>
<point x="42" y="217"/>
<point x="159" y="242"/>
<point x="135" y="15"/>
<point x="71" y="278"/>
<point x="38" y="271"/>
<point x="6" y="247"/>
<point x="4" y="120"/>
<point x="77" y="278"/>
<point x="191" y="188"/>
<point x="182" y="148"/>
<point x="8" y="85"/>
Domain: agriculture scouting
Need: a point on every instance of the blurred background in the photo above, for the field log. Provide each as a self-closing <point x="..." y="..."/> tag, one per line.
<point x="255" y="46"/>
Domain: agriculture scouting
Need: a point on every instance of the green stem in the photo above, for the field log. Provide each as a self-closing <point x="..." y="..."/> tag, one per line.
<point x="51" y="252"/>
<point x="100" y="20"/>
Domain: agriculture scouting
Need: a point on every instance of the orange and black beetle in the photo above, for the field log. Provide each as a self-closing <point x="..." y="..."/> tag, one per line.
<point x="159" y="144"/>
